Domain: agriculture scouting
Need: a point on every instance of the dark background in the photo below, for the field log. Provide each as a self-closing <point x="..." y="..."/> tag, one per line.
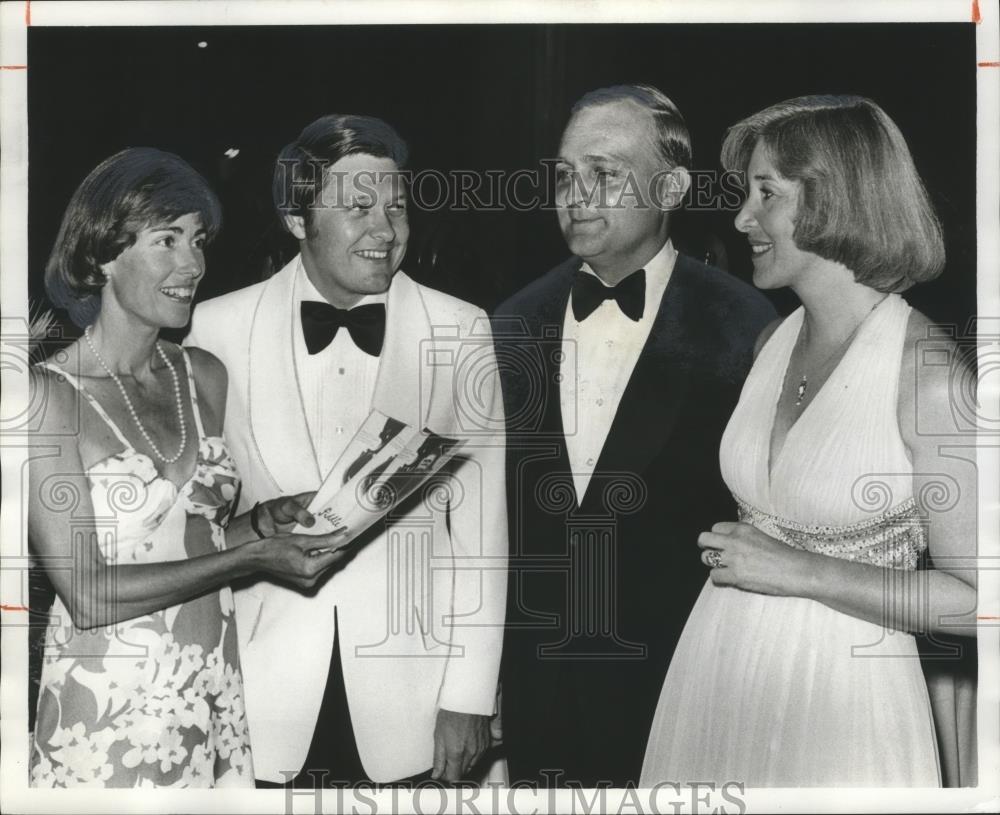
<point x="485" y="97"/>
<point x="476" y="98"/>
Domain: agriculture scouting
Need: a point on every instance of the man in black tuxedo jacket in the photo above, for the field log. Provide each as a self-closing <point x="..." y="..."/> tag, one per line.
<point x="620" y="369"/>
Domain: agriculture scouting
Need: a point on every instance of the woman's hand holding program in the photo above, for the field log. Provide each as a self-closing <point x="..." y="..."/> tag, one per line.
<point x="297" y="559"/>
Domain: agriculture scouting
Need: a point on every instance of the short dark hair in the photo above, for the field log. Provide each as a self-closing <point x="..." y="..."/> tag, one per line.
<point x="133" y="189"/>
<point x="672" y="139"/>
<point x="297" y="185"/>
<point x="862" y="204"/>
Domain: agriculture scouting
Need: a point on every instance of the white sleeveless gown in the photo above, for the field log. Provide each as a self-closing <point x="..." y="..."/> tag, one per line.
<point x="784" y="691"/>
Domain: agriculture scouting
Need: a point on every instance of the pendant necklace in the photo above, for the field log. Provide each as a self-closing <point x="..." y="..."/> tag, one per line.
<point x="178" y="401"/>
<point x="800" y="391"/>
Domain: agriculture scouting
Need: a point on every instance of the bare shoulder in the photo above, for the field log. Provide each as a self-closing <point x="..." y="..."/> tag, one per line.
<point x="765" y="335"/>
<point x="207" y="367"/>
<point x="934" y="373"/>
<point x="53" y="402"/>
<point x="919" y="327"/>
<point x="211" y="380"/>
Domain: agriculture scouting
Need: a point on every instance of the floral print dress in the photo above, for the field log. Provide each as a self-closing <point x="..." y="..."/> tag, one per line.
<point x="156" y="700"/>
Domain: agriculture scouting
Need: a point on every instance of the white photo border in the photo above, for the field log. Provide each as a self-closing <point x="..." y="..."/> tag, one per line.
<point x="16" y="16"/>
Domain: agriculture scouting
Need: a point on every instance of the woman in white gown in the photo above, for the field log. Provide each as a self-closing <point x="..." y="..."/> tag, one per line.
<point x="796" y="667"/>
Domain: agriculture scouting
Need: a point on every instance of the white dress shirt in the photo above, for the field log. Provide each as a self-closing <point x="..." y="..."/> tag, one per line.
<point x="336" y="385"/>
<point x="599" y="355"/>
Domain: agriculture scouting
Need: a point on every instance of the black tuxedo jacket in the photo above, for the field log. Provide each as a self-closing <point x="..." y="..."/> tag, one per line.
<point x="599" y="592"/>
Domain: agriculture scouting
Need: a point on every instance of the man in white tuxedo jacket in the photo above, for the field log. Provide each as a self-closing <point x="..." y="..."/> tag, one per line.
<point x="388" y="669"/>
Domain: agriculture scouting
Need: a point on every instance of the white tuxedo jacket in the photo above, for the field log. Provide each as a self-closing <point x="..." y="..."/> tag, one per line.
<point x="421" y="607"/>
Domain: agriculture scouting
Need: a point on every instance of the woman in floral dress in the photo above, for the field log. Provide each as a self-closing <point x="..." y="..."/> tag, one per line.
<point x="132" y="493"/>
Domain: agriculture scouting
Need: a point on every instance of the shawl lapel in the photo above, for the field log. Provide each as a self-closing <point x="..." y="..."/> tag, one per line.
<point x="276" y="416"/>
<point x="655" y="392"/>
<point x="545" y="327"/>
<point x="404" y="387"/>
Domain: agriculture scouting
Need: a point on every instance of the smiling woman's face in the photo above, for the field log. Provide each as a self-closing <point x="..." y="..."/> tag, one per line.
<point x="155" y="278"/>
<point x="768" y="219"/>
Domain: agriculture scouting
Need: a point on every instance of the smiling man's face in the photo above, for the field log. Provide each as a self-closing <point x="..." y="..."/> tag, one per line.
<point x="355" y="239"/>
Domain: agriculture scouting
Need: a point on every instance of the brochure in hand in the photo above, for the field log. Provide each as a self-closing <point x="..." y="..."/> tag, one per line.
<point x="385" y="462"/>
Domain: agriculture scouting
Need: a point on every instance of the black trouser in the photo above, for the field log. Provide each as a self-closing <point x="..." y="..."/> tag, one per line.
<point x="333" y="760"/>
<point x="590" y="734"/>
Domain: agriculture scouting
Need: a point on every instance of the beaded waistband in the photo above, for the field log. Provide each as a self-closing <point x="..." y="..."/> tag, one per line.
<point x="894" y="539"/>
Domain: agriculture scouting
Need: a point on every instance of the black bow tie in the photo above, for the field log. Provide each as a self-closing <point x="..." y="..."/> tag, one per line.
<point x="589" y="292"/>
<point x="321" y="321"/>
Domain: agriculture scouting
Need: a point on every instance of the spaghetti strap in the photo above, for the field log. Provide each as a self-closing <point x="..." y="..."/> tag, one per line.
<point x="196" y="412"/>
<point x="91" y="400"/>
<point x="143" y="518"/>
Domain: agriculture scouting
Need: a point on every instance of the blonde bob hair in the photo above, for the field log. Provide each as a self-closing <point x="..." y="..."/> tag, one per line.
<point x="862" y="203"/>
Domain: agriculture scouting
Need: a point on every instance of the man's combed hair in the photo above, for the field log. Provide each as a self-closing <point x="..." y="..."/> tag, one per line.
<point x="862" y="203"/>
<point x="303" y="165"/>
<point x="672" y="139"/>
<point x="134" y="189"/>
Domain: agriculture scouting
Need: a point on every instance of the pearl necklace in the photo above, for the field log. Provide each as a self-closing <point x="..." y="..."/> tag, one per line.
<point x="800" y="391"/>
<point x="131" y="408"/>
